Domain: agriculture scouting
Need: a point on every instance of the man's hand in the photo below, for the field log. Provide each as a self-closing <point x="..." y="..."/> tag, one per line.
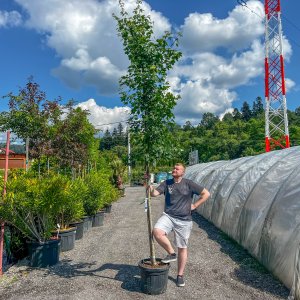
<point x="153" y="191"/>
<point x="203" y="197"/>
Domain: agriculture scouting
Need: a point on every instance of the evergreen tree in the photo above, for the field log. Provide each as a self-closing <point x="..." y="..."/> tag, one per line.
<point x="258" y="107"/>
<point x="209" y="120"/>
<point x="120" y="129"/>
<point x="236" y="114"/>
<point x="297" y="111"/>
<point x="106" y="141"/>
<point x="246" y="111"/>
<point x="228" y="117"/>
<point x="187" y="126"/>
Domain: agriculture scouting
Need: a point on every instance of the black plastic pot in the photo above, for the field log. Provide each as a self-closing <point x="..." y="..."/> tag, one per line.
<point x="154" y="280"/>
<point x="98" y="219"/>
<point x="45" y="254"/>
<point x="90" y="222"/>
<point x="108" y="208"/>
<point x="79" y="229"/>
<point x="85" y="220"/>
<point x="67" y="238"/>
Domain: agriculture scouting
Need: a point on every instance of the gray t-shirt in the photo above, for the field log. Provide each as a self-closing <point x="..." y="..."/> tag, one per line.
<point x="179" y="196"/>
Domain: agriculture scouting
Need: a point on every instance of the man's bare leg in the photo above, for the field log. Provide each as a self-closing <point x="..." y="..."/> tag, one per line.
<point x="163" y="240"/>
<point x="182" y="259"/>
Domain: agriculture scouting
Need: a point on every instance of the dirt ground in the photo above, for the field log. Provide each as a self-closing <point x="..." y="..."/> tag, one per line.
<point x="103" y="265"/>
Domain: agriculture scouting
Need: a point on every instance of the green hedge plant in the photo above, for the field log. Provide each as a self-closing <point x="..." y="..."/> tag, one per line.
<point x="68" y="200"/>
<point x="36" y="205"/>
<point x="28" y="206"/>
<point x="100" y="192"/>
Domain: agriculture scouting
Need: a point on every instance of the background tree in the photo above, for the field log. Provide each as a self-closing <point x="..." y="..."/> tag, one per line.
<point x="75" y="141"/>
<point x="246" y="111"/>
<point x="187" y="126"/>
<point x="209" y="120"/>
<point x="258" y="107"/>
<point x="146" y="89"/>
<point x="31" y="116"/>
<point x="236" y="114"/>
<point x="106" y="142"/>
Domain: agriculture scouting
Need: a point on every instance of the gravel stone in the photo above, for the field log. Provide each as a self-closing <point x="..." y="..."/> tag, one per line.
<point x="103" y="265"/>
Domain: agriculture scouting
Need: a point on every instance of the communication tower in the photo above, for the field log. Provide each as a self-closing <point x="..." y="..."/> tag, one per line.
<point x="277" y="131"/>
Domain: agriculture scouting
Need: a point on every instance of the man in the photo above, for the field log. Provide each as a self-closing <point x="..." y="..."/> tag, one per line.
<point x="177" y="217"/>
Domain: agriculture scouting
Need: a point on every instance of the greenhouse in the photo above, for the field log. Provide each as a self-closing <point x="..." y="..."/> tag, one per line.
<point x="256" y="201"/>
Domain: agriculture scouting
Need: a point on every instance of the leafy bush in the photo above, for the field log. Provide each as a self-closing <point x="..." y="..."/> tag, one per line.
<point x="68" y="202"/>
<point x="35" y="206"/>
<point x="28" y="206"/>
<point x="100" y="192"/>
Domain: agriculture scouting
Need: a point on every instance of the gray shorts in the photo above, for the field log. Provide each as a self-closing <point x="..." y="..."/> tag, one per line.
<point x="182" y="229"/>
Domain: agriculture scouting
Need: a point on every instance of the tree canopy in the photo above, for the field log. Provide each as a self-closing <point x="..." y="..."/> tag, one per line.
<point x="145" y="87"/>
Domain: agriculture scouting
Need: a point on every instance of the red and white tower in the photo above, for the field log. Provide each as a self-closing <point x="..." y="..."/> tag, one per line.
<point x="277" y="131"/>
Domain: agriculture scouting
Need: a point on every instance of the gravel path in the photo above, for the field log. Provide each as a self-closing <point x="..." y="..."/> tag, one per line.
<point x="103" y="264"/>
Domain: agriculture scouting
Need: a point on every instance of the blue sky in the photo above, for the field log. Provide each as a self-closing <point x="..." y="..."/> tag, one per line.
<point x="72" y="50"/>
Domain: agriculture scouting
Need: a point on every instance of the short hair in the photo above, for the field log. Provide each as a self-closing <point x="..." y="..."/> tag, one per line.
<point x="180" y="164"/>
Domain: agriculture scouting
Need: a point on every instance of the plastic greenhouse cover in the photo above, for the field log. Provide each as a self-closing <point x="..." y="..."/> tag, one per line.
<point x="256" y="201"/>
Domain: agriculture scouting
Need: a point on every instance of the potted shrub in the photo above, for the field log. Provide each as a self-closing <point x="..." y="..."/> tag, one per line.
<point x="68" y="206"/>
<point x="28" y="206"/>
<point x="77" y="194"/>
<point x="93" y="201"/>
<point x="112" y="195"/>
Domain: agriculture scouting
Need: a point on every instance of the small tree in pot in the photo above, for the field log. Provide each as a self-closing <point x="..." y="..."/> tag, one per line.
<point x="146" y="89"/>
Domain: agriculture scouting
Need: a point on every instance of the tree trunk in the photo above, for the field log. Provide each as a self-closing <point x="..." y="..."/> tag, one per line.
<point x="149" y="219"/>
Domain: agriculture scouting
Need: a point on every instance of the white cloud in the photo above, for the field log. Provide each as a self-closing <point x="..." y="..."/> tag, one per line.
<point x="206" y="84"/>
<point x="100" y="115"/>
<point x="204" y="32"/>
<point x="287" y="49"/>
<point x="219" y="54"/>
<point x="198" y="98"/>
<point x="289" y="84"/>
<point x="206" y="77"/>
<point x="241" y="68"/>
<point x="83" y="34"/>
<point x="10" y="18"/>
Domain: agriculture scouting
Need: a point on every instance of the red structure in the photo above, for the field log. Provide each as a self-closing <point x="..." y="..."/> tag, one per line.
<point x="277" y="132"/>
<point x="4" y="192"/>
<point x="15" y="161"/>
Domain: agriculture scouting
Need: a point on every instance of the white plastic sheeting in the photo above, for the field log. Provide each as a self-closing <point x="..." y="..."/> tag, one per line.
<point x="256" y="201"/>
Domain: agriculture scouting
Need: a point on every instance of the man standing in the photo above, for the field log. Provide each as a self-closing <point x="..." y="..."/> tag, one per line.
<point x="177" y="216"/>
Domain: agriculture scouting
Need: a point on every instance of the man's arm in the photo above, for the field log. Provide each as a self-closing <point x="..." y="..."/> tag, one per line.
<point x="203" y="197"/>
<point x="153" y="191"/>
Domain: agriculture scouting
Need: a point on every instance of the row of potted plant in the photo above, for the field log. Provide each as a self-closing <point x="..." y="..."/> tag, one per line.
<point x="43" y="209"/>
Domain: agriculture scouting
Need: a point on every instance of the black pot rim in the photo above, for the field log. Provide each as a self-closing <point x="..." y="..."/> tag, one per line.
<point x="158" y="268"/>
<point x="52" y="241"/>
<point x="99" y="213"/>
<point x="78" y="222"/>
<point x="65" y="230"/>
